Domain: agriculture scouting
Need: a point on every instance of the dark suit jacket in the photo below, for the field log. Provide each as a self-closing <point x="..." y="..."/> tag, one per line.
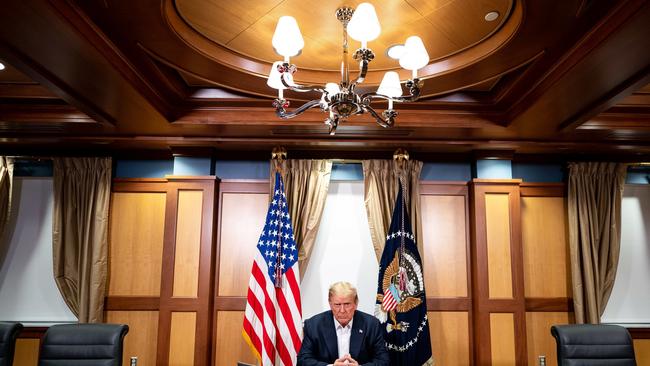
<point x="319" y="347"/>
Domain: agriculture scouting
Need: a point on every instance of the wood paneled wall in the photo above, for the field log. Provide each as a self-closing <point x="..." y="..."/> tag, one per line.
<point x="161" y="268"/>
<point x="445" y="241"/>
<point x="495" y="263"/>
<point x="241" y="215"/>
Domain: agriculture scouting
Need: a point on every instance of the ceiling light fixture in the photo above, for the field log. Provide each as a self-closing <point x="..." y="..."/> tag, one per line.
<point x="2" y="66"/>
<point x="341" y="100"/>
<point x="491" y="16"/>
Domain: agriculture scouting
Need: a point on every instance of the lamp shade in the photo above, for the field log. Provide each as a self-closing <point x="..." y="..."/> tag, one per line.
<point x="364" y="25"/>
<point x="415" y="55"/>
<point x="390" y="85"/>
<point x="287" y="40"/>
<point x="2" y="67"/>
<point x="274" y="79"/>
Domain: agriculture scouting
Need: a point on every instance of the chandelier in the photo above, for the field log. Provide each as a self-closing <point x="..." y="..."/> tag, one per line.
<point x="341" y="100"/>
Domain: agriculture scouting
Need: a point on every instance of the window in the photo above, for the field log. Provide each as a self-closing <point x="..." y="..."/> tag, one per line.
<point x="628" y="303"/>
<point x="28" y="292"/>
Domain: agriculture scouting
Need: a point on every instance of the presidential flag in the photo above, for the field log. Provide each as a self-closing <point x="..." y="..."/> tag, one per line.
<point x="273" y="317"/>
<point x="401" y="301"/>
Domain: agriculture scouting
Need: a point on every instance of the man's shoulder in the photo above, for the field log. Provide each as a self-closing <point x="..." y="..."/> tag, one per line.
<point x="365" y="319"/>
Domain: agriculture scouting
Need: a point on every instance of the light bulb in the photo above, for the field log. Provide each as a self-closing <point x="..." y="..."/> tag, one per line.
<point x="415" y="55"/>
<point x="332" y="88"/>
<point x="364" y="25"/>
<point x="287" y="39"/>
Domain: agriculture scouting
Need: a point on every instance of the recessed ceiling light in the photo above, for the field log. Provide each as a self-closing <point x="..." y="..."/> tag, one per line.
<point x="2" y="66"/>
<point x="493" y="15"/>
<point x="395" y="51"/>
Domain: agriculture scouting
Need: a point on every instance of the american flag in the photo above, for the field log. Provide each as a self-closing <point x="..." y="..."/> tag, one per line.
<point x="273" y="317"/>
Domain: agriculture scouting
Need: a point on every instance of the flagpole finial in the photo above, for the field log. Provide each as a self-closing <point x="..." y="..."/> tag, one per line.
<point x="278" y="156"/>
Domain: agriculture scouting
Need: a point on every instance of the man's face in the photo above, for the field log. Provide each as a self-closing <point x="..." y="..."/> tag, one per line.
<point x="343" y="308"/>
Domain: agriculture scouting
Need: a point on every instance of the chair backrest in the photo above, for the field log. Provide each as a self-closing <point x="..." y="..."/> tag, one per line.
<point x="83" y="345"/>
<point x="8" y="334"/>
<point x="593" y="345"/>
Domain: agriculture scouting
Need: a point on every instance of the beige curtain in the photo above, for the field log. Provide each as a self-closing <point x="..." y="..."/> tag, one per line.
<point x="82" y="189"/>
<point x="380" y="191"/>
<point x="306" y="183"/>
<point x="594" y="212"/>
<point x="6" y="188"/>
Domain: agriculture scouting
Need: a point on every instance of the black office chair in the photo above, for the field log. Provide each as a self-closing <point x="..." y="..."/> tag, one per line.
<point x="593" y="345"/>
<point x="8" y="333"/>
<point x="83" y="345"/>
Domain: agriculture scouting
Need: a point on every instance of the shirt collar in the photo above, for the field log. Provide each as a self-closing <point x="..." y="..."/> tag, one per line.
<point x="338" y="325"/>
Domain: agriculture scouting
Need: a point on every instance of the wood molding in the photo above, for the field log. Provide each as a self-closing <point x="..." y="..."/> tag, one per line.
<point x="542" y="189"/>
<point x="639" y="333"/>
<point x="483" y="305"/>
<point x="131" y="303"/>
<point x="556" y="304"/>
<point x="449" y="304"/>
<point x="33" y="332"/>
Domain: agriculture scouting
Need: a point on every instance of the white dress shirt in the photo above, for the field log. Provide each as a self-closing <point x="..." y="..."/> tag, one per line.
<point x="343" y="334"/>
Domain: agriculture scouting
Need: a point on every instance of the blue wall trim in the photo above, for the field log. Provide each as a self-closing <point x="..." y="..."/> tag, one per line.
<point x="347" y="171"/>
<point x="143" y="168"/>
<point x="446" y="171"/>
<point x="193" y="166"/>
<point x="493" y="169"/>
<point x="231" y="169"/>
<point x="638" y="175"/>
<point x="539" y="173"/>
<point x="33" y="168"/>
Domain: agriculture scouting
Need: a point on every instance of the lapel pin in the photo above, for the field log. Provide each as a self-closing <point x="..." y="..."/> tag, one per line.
<point x="360" y="330"/>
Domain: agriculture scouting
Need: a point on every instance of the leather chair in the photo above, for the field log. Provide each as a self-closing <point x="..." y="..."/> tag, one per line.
<point x="83" y="345"/>
<point x="8" y="333"/>
<point x="593" y="345"/>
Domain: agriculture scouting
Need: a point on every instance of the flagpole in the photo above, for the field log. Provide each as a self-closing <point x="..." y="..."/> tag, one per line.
<point x="279" y="156"/>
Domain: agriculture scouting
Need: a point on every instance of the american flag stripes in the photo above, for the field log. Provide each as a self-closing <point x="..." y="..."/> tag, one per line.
<point x="391" y="298"/>
<point x="273" y="317"/>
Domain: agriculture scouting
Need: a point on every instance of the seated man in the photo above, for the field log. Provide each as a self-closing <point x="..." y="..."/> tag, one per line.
<point x="343" y="335"/>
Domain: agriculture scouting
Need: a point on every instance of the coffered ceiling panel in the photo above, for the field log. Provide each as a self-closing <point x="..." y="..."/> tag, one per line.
<point x="247" y="27"/>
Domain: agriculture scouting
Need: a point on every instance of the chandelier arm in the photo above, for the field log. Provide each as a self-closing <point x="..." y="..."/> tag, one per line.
<point x="387" y="121"/>
<point x="300" y="88"/>
<point x="363" y="70"/>
<point x="281" y="104"/>
<point x="413" y="85"/>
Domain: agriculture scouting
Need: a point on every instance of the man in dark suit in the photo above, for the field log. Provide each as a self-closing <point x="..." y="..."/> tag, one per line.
<point x="343" y="336"/>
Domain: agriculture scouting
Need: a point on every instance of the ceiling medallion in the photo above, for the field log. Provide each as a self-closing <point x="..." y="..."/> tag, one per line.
<point x="341" y="100"/>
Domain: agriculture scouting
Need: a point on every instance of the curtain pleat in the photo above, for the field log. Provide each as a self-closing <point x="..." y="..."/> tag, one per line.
<point x="82" y="188"/>
<point x="594" y="213"/>
<point x="6" y="192"/>
<point x="306" y="183"/>
<point x="381" y="183"/>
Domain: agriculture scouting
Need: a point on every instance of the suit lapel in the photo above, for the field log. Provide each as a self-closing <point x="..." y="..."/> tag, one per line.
<point x="356" y="338"/>
<point x="329" y="335"/>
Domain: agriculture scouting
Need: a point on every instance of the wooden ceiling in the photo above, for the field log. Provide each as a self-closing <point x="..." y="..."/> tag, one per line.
<point x="550" y="78"/>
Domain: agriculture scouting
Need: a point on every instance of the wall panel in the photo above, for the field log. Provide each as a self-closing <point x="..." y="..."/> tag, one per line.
<point x="136" y="241"/>
<point x="26" y="352"/>
<point x="188" y="243"/>
<point x="502" y="339"/>
<point x="538" y="335"/>
<point x="182" y="338"/>
<point x="545" y="242"/>
<point x="230" y="346"/>
<point x="642" y="351"/>
<point x="143" y="330"/>
<point x="242" y="221"/>
<point x="445" y="245"/>
<point x="450" y="337"/>
<point x="497" y="213"/>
